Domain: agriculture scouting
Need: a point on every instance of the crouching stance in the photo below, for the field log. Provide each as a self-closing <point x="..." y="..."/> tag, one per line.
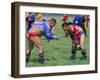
<point x="77" y="35"/>
<point x="39" y="28"/>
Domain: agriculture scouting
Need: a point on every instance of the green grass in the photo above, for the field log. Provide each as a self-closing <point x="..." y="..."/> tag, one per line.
<point x="58" y="52"/>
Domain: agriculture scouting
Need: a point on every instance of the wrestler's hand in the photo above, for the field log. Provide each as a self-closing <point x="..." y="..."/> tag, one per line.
<point x="55" y="37"/>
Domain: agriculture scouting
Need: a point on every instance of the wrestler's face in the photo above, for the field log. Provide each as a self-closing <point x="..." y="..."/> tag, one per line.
<point x="66" y="28"/>
<point x="70" y="28"/>
<point x="39" y="16"/>
<point x="52" y="24"/>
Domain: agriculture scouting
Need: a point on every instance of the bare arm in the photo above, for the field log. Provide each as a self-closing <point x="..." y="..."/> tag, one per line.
<point x="82" y="37"/>
<point x="53" y="29"/>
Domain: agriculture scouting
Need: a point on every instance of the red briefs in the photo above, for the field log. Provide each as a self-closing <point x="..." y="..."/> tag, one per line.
<point x="31" y="34"/>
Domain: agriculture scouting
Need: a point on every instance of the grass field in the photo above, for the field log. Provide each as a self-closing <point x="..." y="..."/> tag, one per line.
<point x="58" y="52"/>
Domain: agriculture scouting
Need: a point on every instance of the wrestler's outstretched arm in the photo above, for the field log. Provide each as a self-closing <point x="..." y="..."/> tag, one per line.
<point x="48" y="33"/>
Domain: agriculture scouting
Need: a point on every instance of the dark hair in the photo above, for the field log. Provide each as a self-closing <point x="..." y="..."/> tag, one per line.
<point x="65" y="24"/>
<point x="29" y="12"/>
<point x="53" y="19"/>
